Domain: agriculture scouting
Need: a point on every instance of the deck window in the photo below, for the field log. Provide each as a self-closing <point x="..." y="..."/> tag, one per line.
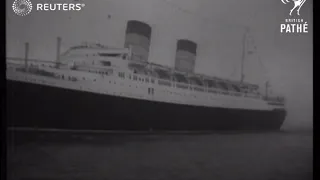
<point x="163" y="74"/>
<point x="106" y="63"/>
<point x="235" y="87"/>
<point x="121" y="74"/>
<point x="211" y="83"/>
<point x="180" y="78"/>
<point x="196" y="81"/>
<point x="223" y="86"/>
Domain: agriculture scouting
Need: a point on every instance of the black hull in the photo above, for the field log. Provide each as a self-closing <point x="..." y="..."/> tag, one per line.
<point x="31" y="105"/>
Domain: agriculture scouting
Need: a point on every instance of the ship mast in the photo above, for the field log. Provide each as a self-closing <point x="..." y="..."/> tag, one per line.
<point x="267" y="88"/>
<point x="26" y="56"/>
<point x="244" y="49"/>
<point x="58" y="51"/>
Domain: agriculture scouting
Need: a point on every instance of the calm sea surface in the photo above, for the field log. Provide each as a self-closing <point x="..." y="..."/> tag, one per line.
<point x="227" y="156"/>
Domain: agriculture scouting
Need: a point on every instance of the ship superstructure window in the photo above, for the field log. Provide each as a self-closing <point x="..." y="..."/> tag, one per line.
<point x="223" y="86"/>
<point x="243" y="89"/>
<point x="135" y="77"/>
<point x="151" y="91"/>
<point x="121" y="74"/>
<point x="138" y="68"/>
<point x="236" y="88"/>
<point x="180" y="78"/>
<point x="182" y="86"/>
<point x="163" y="74"/>
<point x="253" y="89"/>
<point x="164" y="82"/>
<point x="230" y="87"/>
<point x="211" y="83"/>
<point x="106" y="63"/>
<point x="110" y="54"/>
<point x="195" y="81"/>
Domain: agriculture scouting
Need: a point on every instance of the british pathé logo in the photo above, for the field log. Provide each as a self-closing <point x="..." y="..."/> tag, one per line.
<point x="294" y="25"/>
<point x="24" y="7"/>
<point x="297" y="4"/>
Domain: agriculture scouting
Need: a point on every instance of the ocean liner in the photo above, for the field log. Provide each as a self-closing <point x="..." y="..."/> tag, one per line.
<point x="97" y="87"/>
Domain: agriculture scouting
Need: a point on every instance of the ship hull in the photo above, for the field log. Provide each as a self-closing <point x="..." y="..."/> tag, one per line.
<point x="38" y="106"/>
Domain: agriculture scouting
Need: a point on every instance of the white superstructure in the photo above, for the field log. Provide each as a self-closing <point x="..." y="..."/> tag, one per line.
<point x="111" y="71"/>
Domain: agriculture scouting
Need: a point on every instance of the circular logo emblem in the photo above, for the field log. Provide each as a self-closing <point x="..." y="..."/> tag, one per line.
<point x="22" y="7"/>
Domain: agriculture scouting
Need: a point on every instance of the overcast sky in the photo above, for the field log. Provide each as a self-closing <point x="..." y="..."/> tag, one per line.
<point x="216" y="26"/>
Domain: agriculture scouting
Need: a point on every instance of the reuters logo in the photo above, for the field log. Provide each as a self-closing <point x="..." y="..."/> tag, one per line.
<point x="22" y="7"/>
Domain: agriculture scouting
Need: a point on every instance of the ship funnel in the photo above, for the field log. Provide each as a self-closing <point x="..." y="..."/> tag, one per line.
<point x="138" y="36"/>
<point x="185" y="55"/>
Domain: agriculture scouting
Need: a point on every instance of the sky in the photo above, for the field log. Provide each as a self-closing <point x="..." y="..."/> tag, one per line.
<point x="286" y="60"/>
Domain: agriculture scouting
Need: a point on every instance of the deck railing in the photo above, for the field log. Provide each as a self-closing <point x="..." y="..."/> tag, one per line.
<point x="275" y="99"/>
<point x="161" y="82"/>
<point x="164" y="82"/>
<point x="182" y="85"/>
<point x="198" y="88"/>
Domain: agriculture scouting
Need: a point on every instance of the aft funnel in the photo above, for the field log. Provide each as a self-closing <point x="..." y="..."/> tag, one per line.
<point x="185" y="55"/>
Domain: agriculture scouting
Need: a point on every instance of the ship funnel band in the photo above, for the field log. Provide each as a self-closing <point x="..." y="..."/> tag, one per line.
<point x="187" y="45"/>
<point x="139" y="28"/>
